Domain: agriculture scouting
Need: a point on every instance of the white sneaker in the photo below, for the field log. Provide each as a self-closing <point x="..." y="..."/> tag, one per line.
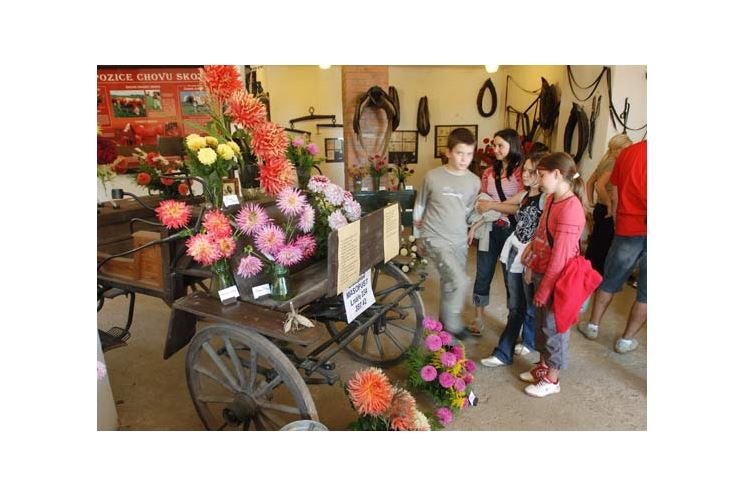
<point x="589" y="330"/>
<point x="492" y="361"/>
<point x="626" y="345"/>
<point x="535" y="374"/>
<point x="521" y="349"/>
<point x="542" y="388"/>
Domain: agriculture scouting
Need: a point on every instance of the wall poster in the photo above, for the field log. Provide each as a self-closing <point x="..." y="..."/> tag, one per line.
<point x="136" y="105"/>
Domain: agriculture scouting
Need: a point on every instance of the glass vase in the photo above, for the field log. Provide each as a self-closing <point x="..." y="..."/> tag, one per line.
<point x="303" y="176"/>
<point x="401" y="184"/>
<point x="376" y="183"/>
<point x="213" y="195"/>
<point x="280" y="283"/>
<point x="357" y="185"/>
<point x="222" y="277"/>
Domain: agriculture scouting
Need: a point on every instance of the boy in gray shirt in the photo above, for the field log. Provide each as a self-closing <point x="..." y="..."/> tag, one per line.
<point x="440" y="215"/>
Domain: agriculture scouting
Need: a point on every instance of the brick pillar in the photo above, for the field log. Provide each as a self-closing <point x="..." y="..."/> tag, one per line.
<point x="355" y="81"/>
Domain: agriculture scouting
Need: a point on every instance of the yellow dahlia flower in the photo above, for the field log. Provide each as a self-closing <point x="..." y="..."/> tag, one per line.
<point x="207" y="156"/>
<point x="211" y="141"/>
<point x="225" y="152"/>
<point x="194" y="142"/>
<point x="234" y="146"/>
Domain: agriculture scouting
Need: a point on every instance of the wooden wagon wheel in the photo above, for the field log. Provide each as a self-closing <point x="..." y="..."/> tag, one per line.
<point x="385" y="342"/>
<point x="239" y="380"/>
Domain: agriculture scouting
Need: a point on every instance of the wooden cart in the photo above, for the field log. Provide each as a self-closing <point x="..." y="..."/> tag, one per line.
<point x="244" y="372"/>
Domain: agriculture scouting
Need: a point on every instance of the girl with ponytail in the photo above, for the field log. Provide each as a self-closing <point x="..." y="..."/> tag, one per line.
<point x="556" y="242"/>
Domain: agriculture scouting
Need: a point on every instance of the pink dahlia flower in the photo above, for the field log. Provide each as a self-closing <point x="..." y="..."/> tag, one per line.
<point x="291" y="201"/>
<point x="444" y="415"/>
<point x="445" y="337"/>
<point x="448" y="359"/>
<point x="269" y="239"/>
<point x="470" y="366"/>
<point x="337" y="220"/>
<point x="249" y="266"/>
<point x="251" y="218"/>
<point x="446" y="379"/>
<point x="460" y="385"/>
<point x="428" y="373"/>
<point x="173" y="214"/>
<point x="289" y="255"/>
<point x="217" y="224"/>
<point x="307" y="219"/>
<point x="433" y="342"/>
<point x="312" y="148"/>
<point x="432" y="324"/>
<point x="201" y="248"/>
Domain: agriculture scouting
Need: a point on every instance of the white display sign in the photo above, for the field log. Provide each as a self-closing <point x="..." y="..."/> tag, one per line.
<point x="229" y="295"/>
<point x="262" y="290"/>
<point x="229" y="200"/>
<point x="409" y="186"/>
<point x="358" y="297"/>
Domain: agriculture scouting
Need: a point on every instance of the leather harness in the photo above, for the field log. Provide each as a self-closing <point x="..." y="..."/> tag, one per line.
<point x="422" y="117"/>
<point x="488" y="85"/>
<point x="577" y="119"/>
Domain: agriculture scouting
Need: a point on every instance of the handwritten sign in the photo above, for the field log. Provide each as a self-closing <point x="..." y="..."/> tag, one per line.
<point x="229" y="200"/>
<point x="348" y="257"/>
<point x="391" y="224"/>
<point x="358" y="297"/>
<point x="228" y="295"/>
<point x="262" y="290"/>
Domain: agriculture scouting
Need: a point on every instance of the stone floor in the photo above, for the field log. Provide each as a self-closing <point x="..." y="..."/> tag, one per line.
<point x="601" y="390"/>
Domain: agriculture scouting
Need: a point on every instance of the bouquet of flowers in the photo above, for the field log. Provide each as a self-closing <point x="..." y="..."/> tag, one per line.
<point x="440" y="368"/>
<point x="239" y="121"/>
<point x="334" y="207"/>
<point x="280" y="245"/>
<point x="485" y="156"/>
<point x="381" y="406"/>
<point x="108" y="160"/>
<point x="302" y="155"/>
<point x="356" y="172"/>
<point x="409" y="249"/>
<point x="377" y="166"/>
<point x="152" y="166"/>
<point x="402" y="171"/>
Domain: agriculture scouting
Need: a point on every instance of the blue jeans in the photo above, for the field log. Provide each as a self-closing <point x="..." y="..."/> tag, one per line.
<point x="519" y="300"/>
<point x="486" y="264"/>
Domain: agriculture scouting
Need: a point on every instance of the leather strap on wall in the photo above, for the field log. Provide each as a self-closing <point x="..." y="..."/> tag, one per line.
<point x="422" y="117"/>
<point x="577" y="119"/>
<point x="393" y="95"/>
<point x="488" y="85"/>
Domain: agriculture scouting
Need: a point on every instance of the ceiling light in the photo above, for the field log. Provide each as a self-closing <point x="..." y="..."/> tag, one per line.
<point x="491" y="69"/>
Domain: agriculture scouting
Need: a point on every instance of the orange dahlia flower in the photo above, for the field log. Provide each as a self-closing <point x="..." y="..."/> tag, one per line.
<point x="370" y="391"/>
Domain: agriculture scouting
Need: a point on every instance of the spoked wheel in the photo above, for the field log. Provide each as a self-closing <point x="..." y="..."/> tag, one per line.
<point x="385" y="342"/>
<point x="239" y="380"/>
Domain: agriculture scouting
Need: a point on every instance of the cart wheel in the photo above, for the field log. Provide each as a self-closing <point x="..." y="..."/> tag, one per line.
<point x="385" y="342"/>
<point x="239" y="380"/>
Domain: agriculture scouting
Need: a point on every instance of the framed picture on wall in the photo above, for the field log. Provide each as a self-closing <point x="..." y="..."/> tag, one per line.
<point x="297" y="133"/>
<point x="442" y="133"/>
<point x="334" y="149"/>
<point x="403" y="147"/>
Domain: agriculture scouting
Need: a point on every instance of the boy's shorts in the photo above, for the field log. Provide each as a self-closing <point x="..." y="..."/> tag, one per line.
<point x="625" y="252"/>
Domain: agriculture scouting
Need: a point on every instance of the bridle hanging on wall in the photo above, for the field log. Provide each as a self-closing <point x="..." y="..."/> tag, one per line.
<point x="487" y="86"/>
<point x="577" y="119"/>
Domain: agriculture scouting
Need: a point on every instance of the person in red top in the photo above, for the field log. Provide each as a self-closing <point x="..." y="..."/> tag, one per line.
<point x="556" y="242"/>
<point x="629" y="247"/>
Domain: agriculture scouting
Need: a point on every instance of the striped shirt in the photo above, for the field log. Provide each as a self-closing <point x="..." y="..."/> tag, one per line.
<point x="511" y="186"/>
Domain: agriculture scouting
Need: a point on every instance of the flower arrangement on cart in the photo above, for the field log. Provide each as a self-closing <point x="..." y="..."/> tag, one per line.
<point x="273" y="244"/>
